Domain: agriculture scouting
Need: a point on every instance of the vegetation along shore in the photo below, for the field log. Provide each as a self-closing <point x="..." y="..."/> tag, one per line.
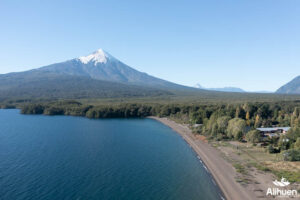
<point x="225" y="136"/>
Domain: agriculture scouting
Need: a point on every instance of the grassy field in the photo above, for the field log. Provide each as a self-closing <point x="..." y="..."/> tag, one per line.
<point x="243" y="156"/>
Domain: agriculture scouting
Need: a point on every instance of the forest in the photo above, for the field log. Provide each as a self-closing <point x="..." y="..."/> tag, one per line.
<point x="217" y="121"/>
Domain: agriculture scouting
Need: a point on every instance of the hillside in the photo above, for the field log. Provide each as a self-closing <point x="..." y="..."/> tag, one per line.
<point x="33" y="84"/>
<point x="101" y="76"/>
<point x="98" y="75"/>
<point x="292" y="87"/>
<point x="100" y="65"/>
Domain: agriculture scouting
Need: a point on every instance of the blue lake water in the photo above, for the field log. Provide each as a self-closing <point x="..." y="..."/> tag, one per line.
<point x="64" y="157"/>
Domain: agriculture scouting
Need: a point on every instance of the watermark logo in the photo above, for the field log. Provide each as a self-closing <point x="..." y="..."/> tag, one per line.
<point x="280" y="191"/>
<point x="281" y="183"/>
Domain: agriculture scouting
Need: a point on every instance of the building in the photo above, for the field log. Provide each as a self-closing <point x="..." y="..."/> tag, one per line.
<point x="273" y="131"/>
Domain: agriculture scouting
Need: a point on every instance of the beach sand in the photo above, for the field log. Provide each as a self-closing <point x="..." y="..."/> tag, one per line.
<point x="222" y="171"/>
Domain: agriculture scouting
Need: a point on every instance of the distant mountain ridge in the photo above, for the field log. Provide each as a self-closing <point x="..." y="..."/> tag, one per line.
<point x="224" y="89"/>
<point x="98" y="75"/>
<point x="230" y="89"/>
<point x="292" y="87"/>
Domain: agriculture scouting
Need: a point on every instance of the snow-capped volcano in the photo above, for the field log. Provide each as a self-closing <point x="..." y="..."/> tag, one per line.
<point x="98" y="75"/>
<point x="100" y="65"/>
<point x="99" y="56"/>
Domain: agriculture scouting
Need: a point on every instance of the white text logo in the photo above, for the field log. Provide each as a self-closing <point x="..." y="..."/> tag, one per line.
<point x="281" y="183"/>
<point x="281" y="192"/>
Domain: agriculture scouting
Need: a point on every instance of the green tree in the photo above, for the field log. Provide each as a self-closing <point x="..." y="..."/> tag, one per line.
<point x="236" y="128"/>
<point x="271" y="149"/>
<point x="283" y="142"/>
<point x="293" y="155"/>
<point x="253" y="136"/>
<point x="222" y="123"/>
<point x="295" y="118"/>
<point x="297" y="144"/>
<point x="293" y="134"/>
<point x="240" y="113"/>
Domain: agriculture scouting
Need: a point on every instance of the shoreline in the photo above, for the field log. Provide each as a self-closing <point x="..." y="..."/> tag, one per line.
<point x="222" y="172"/>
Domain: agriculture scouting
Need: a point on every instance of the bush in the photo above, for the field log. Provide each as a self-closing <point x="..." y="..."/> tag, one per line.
<point x="239" y="168"/>
<point x="292" y="155"/>
<point x="271" y="149"/>
<point x="253" y="136"/>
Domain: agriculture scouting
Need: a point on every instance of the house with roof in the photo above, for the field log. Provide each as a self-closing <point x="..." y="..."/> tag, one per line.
<point x="273" y="131"/>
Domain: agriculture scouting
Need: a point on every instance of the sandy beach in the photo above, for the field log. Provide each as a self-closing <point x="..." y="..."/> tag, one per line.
<point x="222" y="171"/>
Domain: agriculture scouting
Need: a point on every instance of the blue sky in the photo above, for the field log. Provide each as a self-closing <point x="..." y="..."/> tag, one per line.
<point x="252" y="44"/>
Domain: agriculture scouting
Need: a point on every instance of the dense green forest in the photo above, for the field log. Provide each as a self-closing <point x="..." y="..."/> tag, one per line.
<point x="217" y="121"/>
<point x="51" y="86"/>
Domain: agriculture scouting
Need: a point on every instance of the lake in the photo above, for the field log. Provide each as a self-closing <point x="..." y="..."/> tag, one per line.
<point x="64" y="157"/>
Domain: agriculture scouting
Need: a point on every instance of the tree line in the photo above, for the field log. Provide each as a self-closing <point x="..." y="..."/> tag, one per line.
<point x="216" y="121"/>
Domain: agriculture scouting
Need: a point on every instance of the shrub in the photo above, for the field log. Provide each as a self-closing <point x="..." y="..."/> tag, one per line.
<point x="292" y="155"/>
<point x="253" y="136"/>
<point x="271" y="149"/>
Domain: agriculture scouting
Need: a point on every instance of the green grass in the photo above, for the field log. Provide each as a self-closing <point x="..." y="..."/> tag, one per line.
<point x="260" y="167"/>
<point x="289" y="175"/>
<point x="240" y="168"/>
<point x="243" y="180"/>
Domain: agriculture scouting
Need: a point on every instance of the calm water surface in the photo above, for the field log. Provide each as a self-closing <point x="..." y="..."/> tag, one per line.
<point x="63" y="157"/>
